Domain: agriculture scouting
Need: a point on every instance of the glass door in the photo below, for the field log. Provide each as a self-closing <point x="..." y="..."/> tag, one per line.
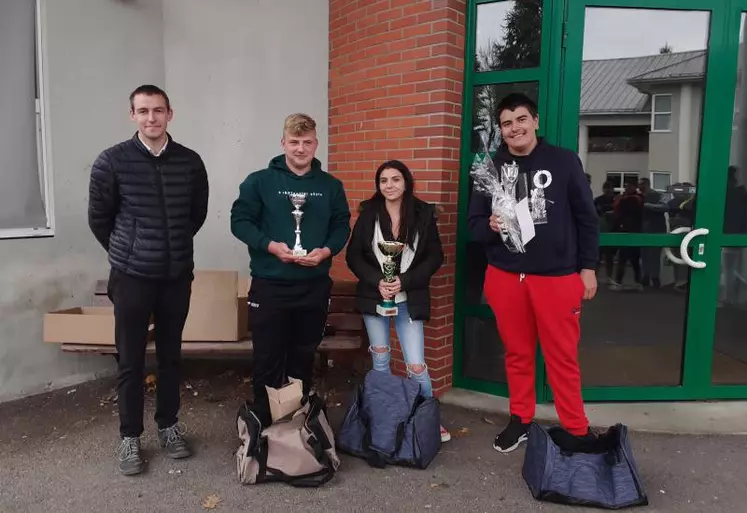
<point x="512" y="46"/>
<point x="726" y="359"/>
<point x="648" y="101"/>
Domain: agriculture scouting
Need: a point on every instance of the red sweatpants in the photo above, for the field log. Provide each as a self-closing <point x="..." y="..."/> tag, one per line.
<point x="526" y="306"/>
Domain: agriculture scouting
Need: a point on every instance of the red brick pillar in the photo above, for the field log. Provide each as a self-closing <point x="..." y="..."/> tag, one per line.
<point x="395" y="92"/>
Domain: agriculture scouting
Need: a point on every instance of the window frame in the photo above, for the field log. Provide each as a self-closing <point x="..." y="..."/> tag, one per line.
<point x="621" y="174"/>
<point x="44" y="165"/>
<point x="655" y="113"/>
<point x="629" y="139"/>
<point x="664" y="173"/>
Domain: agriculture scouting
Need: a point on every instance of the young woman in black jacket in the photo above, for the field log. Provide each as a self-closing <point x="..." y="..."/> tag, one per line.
<point x="393" y="213"/>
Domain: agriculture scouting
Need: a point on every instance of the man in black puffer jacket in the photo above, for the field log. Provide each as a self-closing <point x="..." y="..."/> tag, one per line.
<point x="148" y="198"/>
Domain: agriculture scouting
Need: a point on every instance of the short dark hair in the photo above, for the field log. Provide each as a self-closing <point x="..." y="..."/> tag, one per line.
<point x="608" y="185"/>
<point x="149" y="90"/>
<point x="515" y="100"/>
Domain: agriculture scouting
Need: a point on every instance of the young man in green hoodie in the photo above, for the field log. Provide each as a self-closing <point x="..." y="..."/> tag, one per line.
<point x="289" y="295"/>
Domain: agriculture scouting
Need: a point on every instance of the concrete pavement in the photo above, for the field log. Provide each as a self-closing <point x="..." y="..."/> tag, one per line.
<point x="58" y="455"/>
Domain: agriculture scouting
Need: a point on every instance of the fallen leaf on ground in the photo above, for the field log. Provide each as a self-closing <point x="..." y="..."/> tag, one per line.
<point x="439" y="485"/>
<point x="150" y="382"/>
<point x="460" y="432"/>
<point x="211" y="502"/>
<point x="247" y="380"/>
<point x="488" y="421"/>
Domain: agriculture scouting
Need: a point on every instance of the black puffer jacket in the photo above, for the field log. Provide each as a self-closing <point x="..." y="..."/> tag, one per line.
<point x="415" y="281"/>
<point x="146" y="210"/>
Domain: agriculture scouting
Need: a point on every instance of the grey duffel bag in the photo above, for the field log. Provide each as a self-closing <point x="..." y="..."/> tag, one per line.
<point x="389" y="422"/>
<point x="299" y="450"/>
<point x="605" y="476"/>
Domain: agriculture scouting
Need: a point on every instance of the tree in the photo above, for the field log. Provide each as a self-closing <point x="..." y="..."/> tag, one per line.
<point x="665" y="49"/>
<point x="521" y="41"/>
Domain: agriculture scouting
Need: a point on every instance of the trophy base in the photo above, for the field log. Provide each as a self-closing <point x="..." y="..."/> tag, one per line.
<point x="299" y="252"/>
<point x="386" y="310"/>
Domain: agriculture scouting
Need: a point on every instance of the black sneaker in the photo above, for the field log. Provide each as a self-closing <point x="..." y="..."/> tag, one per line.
<point x="511" y="437"/>
<point x="173" y="442"/>
<point x="589" y="443"/>
<point x="130" y="461"/>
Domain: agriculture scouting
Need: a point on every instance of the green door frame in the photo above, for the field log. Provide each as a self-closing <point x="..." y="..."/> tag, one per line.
<point x="548" y="72"/>
<point x="560" y="63"/>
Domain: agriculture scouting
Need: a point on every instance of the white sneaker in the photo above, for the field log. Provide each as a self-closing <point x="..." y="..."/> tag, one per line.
<point x="445" y="436"/>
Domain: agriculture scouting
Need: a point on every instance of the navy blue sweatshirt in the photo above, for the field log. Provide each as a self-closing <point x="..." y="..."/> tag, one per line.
<point x="566" y="223"/>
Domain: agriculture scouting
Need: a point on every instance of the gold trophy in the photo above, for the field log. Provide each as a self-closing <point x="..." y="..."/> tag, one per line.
<point x="298" y="199"/>
<point x="387" y="307"/>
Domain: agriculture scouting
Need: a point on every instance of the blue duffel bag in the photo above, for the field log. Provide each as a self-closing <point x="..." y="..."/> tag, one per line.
<point x="388" y="421"/>
<point x="604" y="477"/>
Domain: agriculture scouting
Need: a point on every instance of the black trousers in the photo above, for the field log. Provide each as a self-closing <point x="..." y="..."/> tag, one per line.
<point x="288" y="321"/>
<point x="135" y="301"/>
<point x="632" y="255"/>
<point x="607" y="255"/>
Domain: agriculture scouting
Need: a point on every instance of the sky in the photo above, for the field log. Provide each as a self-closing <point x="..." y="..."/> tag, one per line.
<point x="613" y="32"/>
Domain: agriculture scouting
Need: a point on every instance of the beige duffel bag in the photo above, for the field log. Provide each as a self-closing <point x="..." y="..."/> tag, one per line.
<point x="298" y="450"/>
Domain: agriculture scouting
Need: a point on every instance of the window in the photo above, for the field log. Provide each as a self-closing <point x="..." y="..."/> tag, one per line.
<point x="661" y="113"/>
<point x="660" y="181"/>
<point x="620" y="178"/>
<point x="622" y="139"/>
<point x="25" y="207"/>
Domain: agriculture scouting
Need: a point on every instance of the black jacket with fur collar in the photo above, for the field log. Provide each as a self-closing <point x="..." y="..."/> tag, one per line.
<point x="415" y="281"/>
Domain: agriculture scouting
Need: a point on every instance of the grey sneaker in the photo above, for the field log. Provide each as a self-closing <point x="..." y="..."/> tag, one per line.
<point x="130" y="461"/>
<point x="173" y="442"/>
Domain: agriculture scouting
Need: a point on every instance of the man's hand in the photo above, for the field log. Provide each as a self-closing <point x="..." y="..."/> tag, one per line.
<point x="282" y="251"/>
<point x="314" y="258"/>
<point x="589" y="277"/>
<point x="496" y="223"/>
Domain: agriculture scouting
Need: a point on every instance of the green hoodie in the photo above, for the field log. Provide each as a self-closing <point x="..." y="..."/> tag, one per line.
<point x="262" y="214"/>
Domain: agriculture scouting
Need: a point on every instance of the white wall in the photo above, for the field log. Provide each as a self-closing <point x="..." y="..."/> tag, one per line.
<point x="664" y="147"/>
<point x="234" y="71"/>
<point x="599" y="164"/>
<point x="91" y="67"/>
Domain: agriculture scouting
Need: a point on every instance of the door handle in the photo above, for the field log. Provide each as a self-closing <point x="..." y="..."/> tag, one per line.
<point x="686" y="241"/>
<point x="668" y="251"/>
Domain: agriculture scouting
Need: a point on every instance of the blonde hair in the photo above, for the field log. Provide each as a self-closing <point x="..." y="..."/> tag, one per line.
<point x="299" y="124"/>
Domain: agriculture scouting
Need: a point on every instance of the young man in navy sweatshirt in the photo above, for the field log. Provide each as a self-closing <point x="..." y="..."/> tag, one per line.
<point x="290" y="292"/>
<point x="538" y="294"/>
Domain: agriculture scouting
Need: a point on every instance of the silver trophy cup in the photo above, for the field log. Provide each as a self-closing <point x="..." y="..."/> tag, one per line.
<point x="298" y="199"/>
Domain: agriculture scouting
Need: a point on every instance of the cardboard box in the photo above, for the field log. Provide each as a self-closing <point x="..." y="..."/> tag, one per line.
<point x="218" y="311"/>
<point x="286" y="399"/>
<point x="80" y="325"/>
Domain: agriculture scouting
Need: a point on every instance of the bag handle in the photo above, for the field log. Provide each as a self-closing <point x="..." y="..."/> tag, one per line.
<point x="260" y="454"/>
<point x="253" y="427"/>
<point x="375" y="457"/>
<point x="314" y="480"/>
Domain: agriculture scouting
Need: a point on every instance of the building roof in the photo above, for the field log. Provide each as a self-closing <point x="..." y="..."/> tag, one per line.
<point x="608" y="86"/>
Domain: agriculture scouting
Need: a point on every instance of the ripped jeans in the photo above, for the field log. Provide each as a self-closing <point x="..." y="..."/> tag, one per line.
<point x="411" y="340"/>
